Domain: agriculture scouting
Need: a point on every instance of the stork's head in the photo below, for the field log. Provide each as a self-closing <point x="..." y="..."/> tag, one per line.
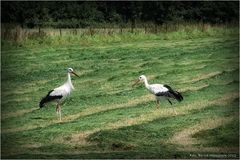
<point x="141" y="78"/>
<point x="70" y="70"/>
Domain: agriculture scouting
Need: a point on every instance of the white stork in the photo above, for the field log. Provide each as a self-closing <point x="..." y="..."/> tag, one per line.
<point x="160" y="91"/>
<point x="59" y="94"/>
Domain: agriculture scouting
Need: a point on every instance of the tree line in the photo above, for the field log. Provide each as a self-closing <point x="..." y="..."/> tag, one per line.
<point x="81" y="14"/>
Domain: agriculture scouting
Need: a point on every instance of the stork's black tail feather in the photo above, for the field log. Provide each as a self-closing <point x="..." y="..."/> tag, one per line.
<point x="44" y="100"/>
<point x="48" y="98"/>
<point x="177" y="96"/>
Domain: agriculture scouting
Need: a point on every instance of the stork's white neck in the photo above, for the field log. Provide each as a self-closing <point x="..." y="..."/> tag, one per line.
<point x="146" y="83"/>
<point x="69" y="82"/>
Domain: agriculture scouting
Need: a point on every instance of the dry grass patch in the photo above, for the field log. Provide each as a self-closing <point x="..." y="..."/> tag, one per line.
<point x="194" y="62"/>
<point x="17" y="100"/>
<point x="101" y="108"/>
<point x="194" y="88"/>
<point x="20" y="150"/>
<point x="203" y="77"/>
<point x="188" y="143"/>
<point x="26" y="88"/>
<point x="17" y="113"/>
<point x="80" y="138"/>
<point x="32" y="145"/>
<point x="200" y="67"/>
<point x="185" y="138"/>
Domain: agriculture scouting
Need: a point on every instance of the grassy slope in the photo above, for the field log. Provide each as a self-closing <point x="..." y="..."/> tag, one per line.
<point x="104" y="117"/>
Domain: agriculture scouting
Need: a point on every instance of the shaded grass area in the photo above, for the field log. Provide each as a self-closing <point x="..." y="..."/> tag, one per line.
<point x="226" y="135"/>
<point x="205" y="68"/>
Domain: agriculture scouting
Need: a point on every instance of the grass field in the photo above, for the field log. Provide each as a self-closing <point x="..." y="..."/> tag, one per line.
<point x="107" y="118"/>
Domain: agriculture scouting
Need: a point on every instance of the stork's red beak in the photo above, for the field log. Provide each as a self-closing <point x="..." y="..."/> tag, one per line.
<point x="136" y="82"/>
<point x="75" y="74"/>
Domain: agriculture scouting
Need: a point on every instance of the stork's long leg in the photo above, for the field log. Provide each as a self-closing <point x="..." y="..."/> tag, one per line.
<point x="174" y="111"/>
<point x="60" y="113"/>
<point x="57" y="109"/>
<point x="157" y="103"/>
<point x="169" y="101"/>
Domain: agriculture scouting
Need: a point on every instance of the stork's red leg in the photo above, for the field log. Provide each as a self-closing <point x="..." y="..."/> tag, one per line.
<point x="157" y="103"/>
<point x="57" y="108"/>
<point x="174" y="111"/>
<point x="60" y="113"/>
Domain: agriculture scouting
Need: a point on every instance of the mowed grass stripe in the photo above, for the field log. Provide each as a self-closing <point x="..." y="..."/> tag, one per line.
<point x="184" y="137"/>
<point x="17" y="113"/>
<point x="186" y="142"/>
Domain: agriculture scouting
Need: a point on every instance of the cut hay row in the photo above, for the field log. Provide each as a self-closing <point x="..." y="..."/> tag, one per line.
<point x="188" y="143"/>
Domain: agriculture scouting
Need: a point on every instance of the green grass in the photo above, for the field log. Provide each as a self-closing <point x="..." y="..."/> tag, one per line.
<point x="111" y="119"/>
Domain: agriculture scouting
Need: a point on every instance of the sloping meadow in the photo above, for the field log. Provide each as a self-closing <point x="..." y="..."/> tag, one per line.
<point x="105" y="117"/>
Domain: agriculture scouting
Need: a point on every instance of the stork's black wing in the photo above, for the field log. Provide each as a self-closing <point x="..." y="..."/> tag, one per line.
<point x="48" y="98"/>
<point x="170" y="93"/>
